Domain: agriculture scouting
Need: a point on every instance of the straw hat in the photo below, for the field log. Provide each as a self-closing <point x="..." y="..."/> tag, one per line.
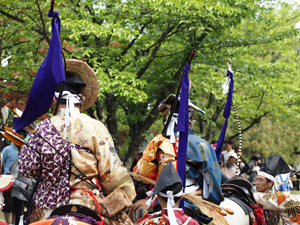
<point x="84" y="72"/>
<point x="6" y="181"/>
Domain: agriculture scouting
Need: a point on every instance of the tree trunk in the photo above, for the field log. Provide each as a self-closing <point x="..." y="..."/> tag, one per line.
<point x="111" y="120"/>
<point x="138" y="129"/>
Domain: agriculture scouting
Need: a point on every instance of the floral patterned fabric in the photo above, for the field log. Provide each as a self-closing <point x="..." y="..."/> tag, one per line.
<point x="89" y="145"/>
<point x="287" y="205"/>
<point x="54" y="188"/>
<point x="156" y="155"/>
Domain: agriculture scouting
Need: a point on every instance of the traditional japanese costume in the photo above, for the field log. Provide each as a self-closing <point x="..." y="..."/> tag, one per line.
<point x="73" y="137"/>
<point x="168" y="186"/>
<point x="273" y="204"/>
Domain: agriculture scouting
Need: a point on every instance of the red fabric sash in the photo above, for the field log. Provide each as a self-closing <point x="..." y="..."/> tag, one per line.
<point x="259" y="215"/>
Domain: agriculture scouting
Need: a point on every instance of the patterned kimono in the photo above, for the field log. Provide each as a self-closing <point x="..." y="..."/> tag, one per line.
<point x="156" y="155"/>
<point x="161" y="218"/>
<point x="88" y="144"/>
<point x="201" y="163"/>
<point x="287" y="205"/>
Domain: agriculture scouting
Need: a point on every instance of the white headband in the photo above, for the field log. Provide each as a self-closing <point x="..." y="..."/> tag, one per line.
<point x="71" y="100"/>
<point x="170" y="204"/>
<point x="266" y="175"/>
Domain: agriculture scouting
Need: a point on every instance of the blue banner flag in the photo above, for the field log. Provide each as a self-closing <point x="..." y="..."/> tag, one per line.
<point x="226" y="115"/>
<point x="48" y="76"/>
<point x="183" y="126"/>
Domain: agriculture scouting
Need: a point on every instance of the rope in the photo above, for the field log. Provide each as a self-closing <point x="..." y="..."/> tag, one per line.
<point x="240" y="138"/>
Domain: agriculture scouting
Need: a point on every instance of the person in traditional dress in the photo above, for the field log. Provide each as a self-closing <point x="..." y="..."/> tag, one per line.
<point x="160" y="149"/>
<point x="202" y="169"/>
<point x="74" y="137"/>
<point x="169" y="191"/>
<point x="276" y="204"/>
<point x="283" y="183"/>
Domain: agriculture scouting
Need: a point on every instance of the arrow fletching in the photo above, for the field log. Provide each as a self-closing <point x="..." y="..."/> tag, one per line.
<point x="13" y="136"/>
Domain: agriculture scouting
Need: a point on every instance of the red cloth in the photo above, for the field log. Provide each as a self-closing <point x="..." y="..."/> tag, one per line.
<point x="161" y="218"/>
<point x="259" y="215"/>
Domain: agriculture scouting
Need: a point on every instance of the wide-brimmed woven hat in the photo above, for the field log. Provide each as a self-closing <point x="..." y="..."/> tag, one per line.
<point x="84" y="72"/>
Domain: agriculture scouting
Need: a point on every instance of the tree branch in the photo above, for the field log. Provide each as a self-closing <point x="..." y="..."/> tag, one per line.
<point x="288" y="20"/>
<point x="18" y="43"/>
<point x="256" y="120"/>
<point x="134" y="39"/>
<point x="11" y="16"/>
<point x="154" y="51"/>
<point x="18" y="19"/>
<point x="43" y="23"/>
<point x="261" y="100"/>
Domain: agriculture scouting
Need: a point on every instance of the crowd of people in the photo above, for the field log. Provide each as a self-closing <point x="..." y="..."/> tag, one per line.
<point x="231" y="168"/>
<point x="69" y="170"/>
<point x="16" y="197"/>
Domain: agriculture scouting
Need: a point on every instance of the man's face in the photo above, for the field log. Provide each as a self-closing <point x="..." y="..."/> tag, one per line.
<point x="227" y="146"/>
<point x="262" y="185"/>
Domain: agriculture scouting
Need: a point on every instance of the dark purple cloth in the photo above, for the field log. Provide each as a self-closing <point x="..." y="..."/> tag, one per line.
<point x="226" y="115"/>
<point x="48" y="76"/>
<point x="54" y="188"/>
<point x="77" y="216"/>
<point x="183" y="127"/>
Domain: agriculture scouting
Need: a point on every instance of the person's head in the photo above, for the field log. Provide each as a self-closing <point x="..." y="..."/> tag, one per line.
<point x="213" y="144"/>
<point x="165" y="106"/>
<point x="256" y="157"/>
<point x="73" y="87"/>
<point x="139" y="153"/>
<point x="168" y="187"/>
<point x="80" y="87"/>
<point x="177" y="188"/>
<point x="263" y="184"/>
<point x="273" y="166"/>
<point x="228" y="145"/>
<point x="232" y="158"/>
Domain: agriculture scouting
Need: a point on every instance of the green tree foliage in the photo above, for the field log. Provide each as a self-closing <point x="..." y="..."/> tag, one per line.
<point x="138" y="50"/>
<point x="265" y="55"/>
